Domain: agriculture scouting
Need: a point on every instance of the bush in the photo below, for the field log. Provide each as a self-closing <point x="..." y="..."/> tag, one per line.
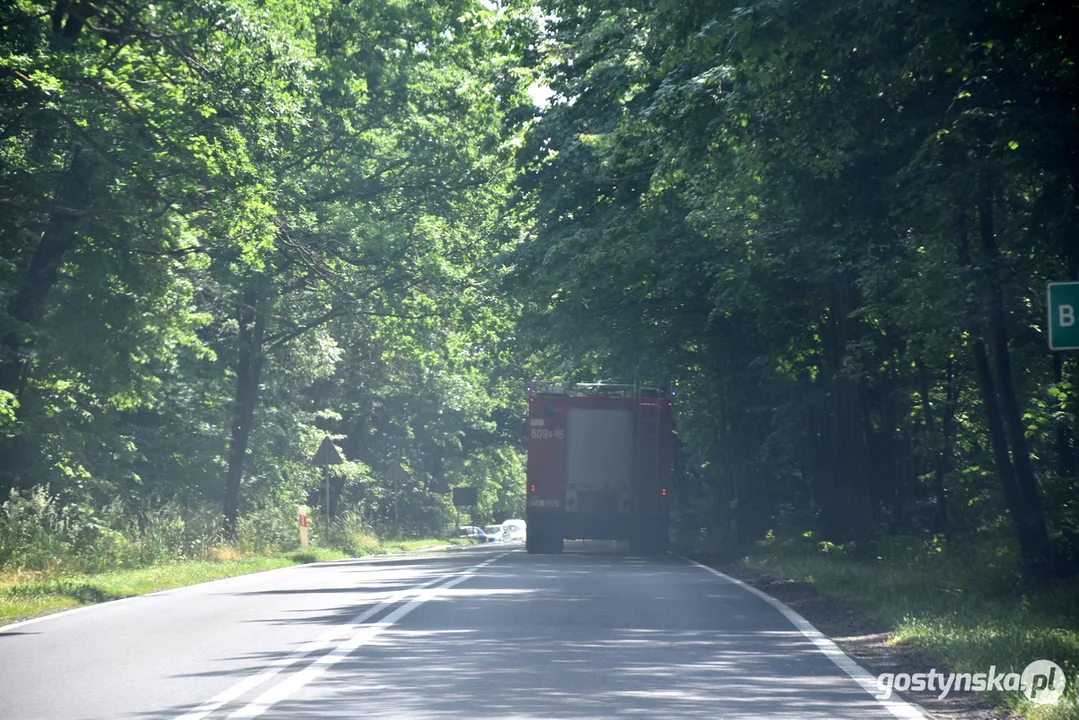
<point x="353" y="535"/>
<point x="162" y="534"/>
<point x="40" y="534"/>
<point x="268" y="530"/>
<point x="34" y="531"/>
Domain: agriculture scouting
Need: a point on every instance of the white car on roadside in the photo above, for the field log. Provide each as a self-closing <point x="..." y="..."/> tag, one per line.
<point x="516" y="530"/>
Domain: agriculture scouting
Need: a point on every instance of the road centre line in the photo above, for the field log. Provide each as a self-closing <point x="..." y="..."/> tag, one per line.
<point x="361" y="636"/>
<point x="365" y="634"/>
<point x="253" y="681"/>
<point x="899" y="708"/>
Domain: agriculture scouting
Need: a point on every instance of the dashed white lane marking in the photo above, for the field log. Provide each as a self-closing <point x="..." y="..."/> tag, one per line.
<point x="250" y="683"/>
<point x="898" y="708"/>
<point x="361" y="636"/>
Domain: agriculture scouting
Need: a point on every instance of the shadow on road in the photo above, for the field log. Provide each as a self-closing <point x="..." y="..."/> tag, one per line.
<point x="583" y="635"/>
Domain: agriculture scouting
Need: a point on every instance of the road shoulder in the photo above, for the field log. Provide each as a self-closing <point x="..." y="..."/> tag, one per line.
<point x="861" y="639"/>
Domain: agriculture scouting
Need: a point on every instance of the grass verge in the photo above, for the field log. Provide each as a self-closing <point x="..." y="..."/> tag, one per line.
<point x="25" y="595"/>
<point x="968" y="607"/>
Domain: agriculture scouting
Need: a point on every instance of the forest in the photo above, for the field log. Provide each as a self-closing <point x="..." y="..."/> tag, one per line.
<point x="229" y="229"/>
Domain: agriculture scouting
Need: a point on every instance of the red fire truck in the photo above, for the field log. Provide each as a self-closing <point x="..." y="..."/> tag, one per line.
<point x="599" y="465"/>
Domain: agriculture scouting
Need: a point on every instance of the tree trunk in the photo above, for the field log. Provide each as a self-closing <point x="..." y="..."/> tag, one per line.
<point x="27" y="307"/>
<point x="1065" y="440"/>
<point x="820" y="420"/>
<point x="1040" y="550"/>
<point x="941" y="522"/>
<point x="998" y="442"/>
<point x="850" y="433"/>
<point x="1065" y="455"/>
<point x="947" y="431"/>
<point x="248" y="374"/>
<point x="1013" y="497"/>
<point x="826" y="493"/>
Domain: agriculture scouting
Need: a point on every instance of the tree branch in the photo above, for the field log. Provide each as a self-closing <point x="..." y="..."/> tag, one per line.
<point x="63" y="211"/>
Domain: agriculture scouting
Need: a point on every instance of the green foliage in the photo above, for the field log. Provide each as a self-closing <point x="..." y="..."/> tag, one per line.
<point x="34" y="533"/>
<point x="353" y="535"/>
<point x="230" y="229"/>
<point x="9" y="406"/>
<point x="40" y="533"/>
<point x="812" y="216"/>
<point x="270" y="529"/>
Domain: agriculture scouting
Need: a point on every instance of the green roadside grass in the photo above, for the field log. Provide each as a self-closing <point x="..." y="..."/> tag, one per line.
<point x="966" y="607"/>
<point x="28" y="595"/>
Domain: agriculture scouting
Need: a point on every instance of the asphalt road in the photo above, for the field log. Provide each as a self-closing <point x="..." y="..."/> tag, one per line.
<point x="484" y="633"/>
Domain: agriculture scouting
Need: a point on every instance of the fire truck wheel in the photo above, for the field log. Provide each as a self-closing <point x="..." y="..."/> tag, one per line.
<point x="663" y="545"/>
<point x="652" y="541"/>
<point x="539" y="539"/>
<point x="543" y="541"/>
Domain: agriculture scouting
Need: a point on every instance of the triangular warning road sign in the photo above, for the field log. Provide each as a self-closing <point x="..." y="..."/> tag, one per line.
<point x="327" y="454"/>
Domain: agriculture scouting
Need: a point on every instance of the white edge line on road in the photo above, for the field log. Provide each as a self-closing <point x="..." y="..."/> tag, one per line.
<point x="362" y="636"/>
<point x="62" y="613"/>
<point x="898" y="708"/>
<point x="413" y="554"/>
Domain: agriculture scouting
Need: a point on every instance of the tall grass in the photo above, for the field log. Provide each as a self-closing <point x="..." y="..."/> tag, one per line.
<point x="56" y="555"/>
<point x="43" y="537"/>
<point x="41" y="534"/>
<point x="352" y="534"/>
<point x="270" y="529"/>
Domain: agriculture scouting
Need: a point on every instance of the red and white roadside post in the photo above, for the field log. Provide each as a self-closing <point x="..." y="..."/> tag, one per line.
<point x="303" y="527"/>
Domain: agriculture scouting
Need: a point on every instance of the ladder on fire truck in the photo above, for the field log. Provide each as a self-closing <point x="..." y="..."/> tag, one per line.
<point x="649" y="414"/>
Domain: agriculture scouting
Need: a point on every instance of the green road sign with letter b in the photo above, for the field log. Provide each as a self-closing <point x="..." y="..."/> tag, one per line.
<point x="1064" y="316"/>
